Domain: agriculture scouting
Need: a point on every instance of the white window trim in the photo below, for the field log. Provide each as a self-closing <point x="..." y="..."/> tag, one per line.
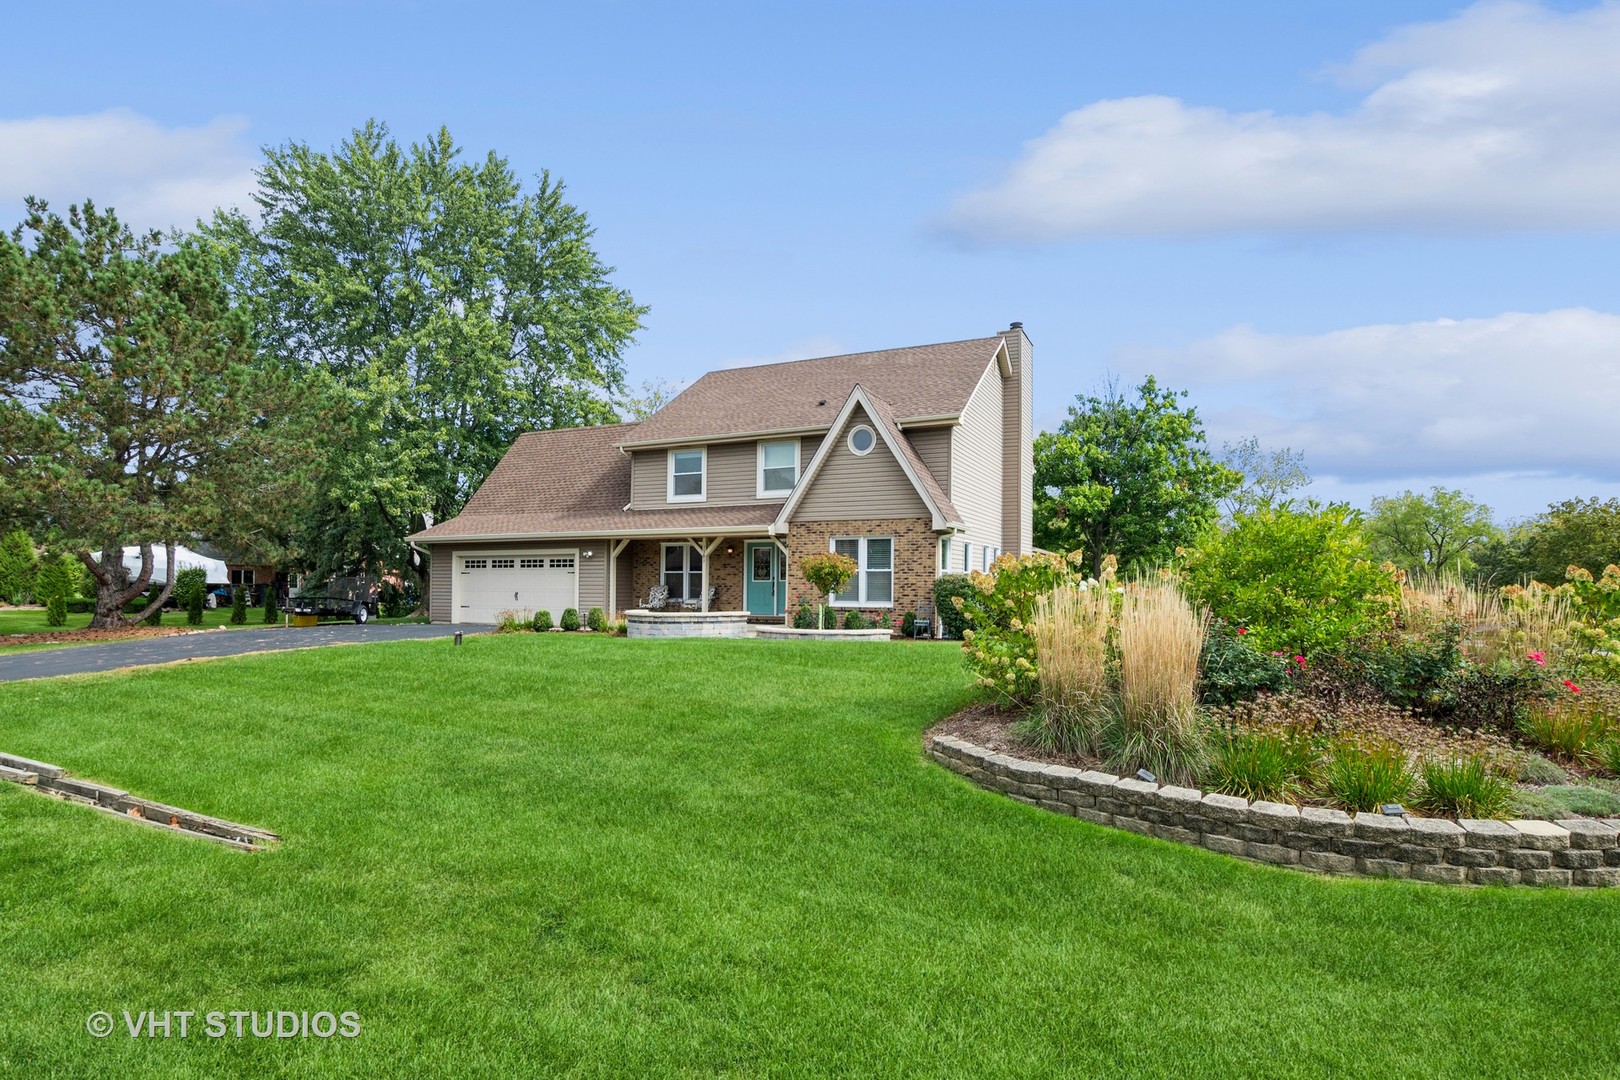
<point x="693" y="580"/>
<point x="849" y="440"/>
<point x="860" y="573"/>
<point x="669" y="490"/>
<point x="760" y="490"/>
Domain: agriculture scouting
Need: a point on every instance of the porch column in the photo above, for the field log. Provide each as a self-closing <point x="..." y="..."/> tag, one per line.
<point x="615" y="549"/>
<point x="787" y="613"/>
<point x="708" y="554"/>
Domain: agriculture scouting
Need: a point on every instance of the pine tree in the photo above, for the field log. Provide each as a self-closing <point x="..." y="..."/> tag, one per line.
<point x="238" y="606"/>
<point x="271" y="613"/>
<point x="17" y="566"/>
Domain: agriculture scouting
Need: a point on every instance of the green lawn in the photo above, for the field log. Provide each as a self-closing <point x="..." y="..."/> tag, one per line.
<point x="533" y="856"/>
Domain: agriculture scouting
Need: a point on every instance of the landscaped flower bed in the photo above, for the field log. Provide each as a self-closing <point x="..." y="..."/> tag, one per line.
<point x="1443" y="700"/>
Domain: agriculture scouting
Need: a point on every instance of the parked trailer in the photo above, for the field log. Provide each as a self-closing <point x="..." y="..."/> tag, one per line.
<point x="341" y="598"/>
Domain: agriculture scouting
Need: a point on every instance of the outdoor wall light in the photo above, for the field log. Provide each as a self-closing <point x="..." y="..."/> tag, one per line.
<point x="588" y="554"/>
<point x="1143" y="774"/>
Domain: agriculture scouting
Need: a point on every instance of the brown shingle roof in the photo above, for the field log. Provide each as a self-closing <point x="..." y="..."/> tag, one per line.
<point x="575" y="481"/>
<point x="924" y="380"/>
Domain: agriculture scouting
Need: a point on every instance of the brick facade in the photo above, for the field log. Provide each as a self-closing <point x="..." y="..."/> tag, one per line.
<point x="916" y="554"/>
<point x="725" y="571"/>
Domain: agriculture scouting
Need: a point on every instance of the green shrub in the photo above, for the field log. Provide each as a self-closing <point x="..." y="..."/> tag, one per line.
<point x="855" y="620"/>
<point x="1300" y="580"/>
<point x="999" y="613"/>
<point x="191" y="592"/>
<point x="1573" y="729"/>
<point x="510" y="622"/>
<point x="57" y="577"/>
<point x="271" y="612"/>
<point x="1535" y="769"/>
<point x="570" y="619"/>
<point x="1277" y="766"/>
<point x="392" y="601"/>
<point x="1364" y="775"/>
<point x="56" y="611"/>
<point x="596" y="619"/>
<point x="239" y="606"/>
<point x="1565" y="800"/>
<point x="156" y="618"/>
<point x="1233" y="669"/>
<point x="908" y="624"/>
<point x="542" y="620"/>
<point x="947" y="588"/>
<point x="1464" y="787"/>
<point x="804" y="616"/>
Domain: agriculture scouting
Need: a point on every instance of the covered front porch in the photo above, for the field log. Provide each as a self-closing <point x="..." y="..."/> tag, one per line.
<point x="743" y="575"/>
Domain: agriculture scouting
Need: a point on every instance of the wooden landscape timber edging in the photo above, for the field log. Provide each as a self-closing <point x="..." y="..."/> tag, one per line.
<point x="53" y="780"/>
<point x="1577" y="851"/>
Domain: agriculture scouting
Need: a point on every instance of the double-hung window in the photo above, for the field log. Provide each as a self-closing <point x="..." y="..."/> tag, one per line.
<point x="683" y="571"/>
<point x="873" y="583"/>
<point x="778" y="467"/>
<point x="687" y="472"/>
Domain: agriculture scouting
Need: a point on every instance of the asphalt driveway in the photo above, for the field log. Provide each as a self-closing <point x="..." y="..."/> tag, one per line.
<point x="80" y="659"/>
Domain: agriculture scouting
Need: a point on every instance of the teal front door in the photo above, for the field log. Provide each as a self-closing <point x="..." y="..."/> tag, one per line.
<point x="764" y="589"/>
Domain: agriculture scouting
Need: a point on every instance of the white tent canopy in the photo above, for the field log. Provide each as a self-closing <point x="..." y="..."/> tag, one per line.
<point x="184" y="557"/>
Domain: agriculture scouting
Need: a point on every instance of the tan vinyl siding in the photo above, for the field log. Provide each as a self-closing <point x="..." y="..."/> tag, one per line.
<point x="441" y="568"/>
<point x="855" y="488"/>
<point x="933" y="445"/>
<point x="593" y="576"/>
<point x="732" y="473"/>
<point x="625" y="582"/>
<point x="976" y="469"/>
<point x="649" y="479"/>
<point x="732" y="480"/>
<point x="1018" y="445"/>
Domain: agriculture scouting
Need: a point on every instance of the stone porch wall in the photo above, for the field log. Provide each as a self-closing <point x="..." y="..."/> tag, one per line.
<point x="1578" y="851"/>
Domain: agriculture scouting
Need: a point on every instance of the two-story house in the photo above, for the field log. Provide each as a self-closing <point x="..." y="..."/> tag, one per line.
<point x="913" y="462"/>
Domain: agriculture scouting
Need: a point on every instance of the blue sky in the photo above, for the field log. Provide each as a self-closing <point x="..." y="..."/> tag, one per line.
<point x="1380" y="233"/>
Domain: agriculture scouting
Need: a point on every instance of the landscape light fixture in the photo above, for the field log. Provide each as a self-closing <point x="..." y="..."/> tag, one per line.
<point x="1392" y="809"/>
<point x="1143" y="774"/>
<point x="458" y="637"/>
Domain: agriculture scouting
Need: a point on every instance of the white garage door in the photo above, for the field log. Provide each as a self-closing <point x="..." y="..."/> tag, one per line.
<point x="524" y="582"/>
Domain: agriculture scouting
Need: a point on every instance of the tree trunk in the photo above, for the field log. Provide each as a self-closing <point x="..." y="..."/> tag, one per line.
<point x="114" y="589"/>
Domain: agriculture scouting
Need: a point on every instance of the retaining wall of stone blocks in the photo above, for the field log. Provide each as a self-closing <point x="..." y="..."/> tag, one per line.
<point x="1577" y="851"/>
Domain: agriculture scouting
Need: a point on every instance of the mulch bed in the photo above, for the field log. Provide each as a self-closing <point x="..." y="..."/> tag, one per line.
<point x="68" y="637"/>
<point x="990" y="726"/>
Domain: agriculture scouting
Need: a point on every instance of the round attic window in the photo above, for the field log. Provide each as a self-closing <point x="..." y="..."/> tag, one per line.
<point x="861" y="440"/>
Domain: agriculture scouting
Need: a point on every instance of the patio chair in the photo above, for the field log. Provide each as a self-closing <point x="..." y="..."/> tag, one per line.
<point x="695" y="604"/>
<point x="924" y="626"/>
<point x="657" y="598"/>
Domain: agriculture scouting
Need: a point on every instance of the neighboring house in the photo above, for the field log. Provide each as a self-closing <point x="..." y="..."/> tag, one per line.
<point x="914" y="462"/>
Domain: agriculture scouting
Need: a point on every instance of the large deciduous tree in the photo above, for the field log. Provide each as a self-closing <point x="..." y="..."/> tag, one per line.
<point x="1123" y="477"/>
<point x="1268" y="475"/>
<point x="1434" y="535"/>
<point x="454" y="309"/>
<point x="132" y="407"/>
<point x="1575" y="532"/>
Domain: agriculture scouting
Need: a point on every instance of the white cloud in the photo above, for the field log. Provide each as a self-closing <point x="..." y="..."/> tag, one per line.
<point x="1505" y="116"/>
<point x="1512" y="395"/>
<point x="154" y="176"/>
